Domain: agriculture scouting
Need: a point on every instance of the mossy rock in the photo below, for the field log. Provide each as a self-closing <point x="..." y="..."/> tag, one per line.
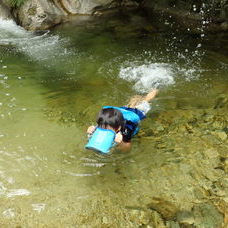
<point x="207" y="215"/>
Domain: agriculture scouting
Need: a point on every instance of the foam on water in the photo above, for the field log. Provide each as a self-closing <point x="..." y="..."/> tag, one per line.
<point x="38" y="47"/>
<point x="147" y="76"/>
<point x="10" y="30"/>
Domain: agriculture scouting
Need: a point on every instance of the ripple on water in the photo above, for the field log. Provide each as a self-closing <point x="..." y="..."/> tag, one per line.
<point x="17" y="192"/>
<point x="38" y="207"/>
<point x="9" y="213"/>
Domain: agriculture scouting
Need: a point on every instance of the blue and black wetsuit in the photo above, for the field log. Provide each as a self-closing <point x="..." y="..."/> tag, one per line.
<point x="132" y="117"/>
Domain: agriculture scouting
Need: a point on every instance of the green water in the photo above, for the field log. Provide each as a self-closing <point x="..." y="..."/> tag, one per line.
<point x="51" y="88"/>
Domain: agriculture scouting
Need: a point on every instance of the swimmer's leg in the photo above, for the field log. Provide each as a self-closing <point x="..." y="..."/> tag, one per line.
<point x="151" y="95"/>
<point x="137" y="99"/>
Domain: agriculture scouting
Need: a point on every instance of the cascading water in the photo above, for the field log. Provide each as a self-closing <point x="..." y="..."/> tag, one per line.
<point x="38" y="47"/>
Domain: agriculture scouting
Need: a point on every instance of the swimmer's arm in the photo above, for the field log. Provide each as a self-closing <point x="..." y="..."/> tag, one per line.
<point x="123" y="146"/>
<point x="91" y="129"/>
<point x="118" y="138"/>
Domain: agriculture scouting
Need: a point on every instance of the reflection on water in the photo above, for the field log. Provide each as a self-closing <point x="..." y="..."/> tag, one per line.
<point x="51" y="87"/>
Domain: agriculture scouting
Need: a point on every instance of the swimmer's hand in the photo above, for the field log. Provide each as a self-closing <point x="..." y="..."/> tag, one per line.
<point x="91" y="129"/>
<point x="119" y="138"/>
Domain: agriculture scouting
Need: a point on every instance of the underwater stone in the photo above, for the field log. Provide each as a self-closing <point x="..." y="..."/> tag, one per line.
<point x="208" y="118"/>
<point x="217" y="125"/>
<point x="211" y="153"/>
<point x="185" y="217"/>
<point x="156" y="220"/>
<point x="172" y="224"/>
<point x="221" y="101"/>
<point x="140" y="217"/>
<point x="105" y="220"/>
<point x="220" y="134"/>
<point x="167" y="209"/>
<point x="207" y="215"/>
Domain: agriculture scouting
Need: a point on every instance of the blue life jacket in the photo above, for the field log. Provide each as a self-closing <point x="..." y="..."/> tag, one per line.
<point x="132" y="117"/>
<point x="128" y="115"/>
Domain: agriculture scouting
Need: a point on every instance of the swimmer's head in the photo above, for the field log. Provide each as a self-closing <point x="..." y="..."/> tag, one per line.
<point x="110" y="118"/>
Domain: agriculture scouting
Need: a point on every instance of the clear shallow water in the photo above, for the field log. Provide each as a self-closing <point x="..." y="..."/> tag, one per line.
<point x="52" y="85"/>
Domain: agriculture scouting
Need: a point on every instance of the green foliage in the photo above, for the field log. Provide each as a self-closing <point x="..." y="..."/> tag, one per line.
<point x="17" y="3"/>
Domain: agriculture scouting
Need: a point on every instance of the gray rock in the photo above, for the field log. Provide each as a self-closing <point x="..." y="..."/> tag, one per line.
<point x="4" y="11"/>
<point x="43" y="14"/>
<point x="82" y="6"/>
<point x="39" y="15"/>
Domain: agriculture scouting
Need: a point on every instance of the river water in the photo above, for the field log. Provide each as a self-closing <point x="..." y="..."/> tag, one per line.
<point x="53" y="83"/>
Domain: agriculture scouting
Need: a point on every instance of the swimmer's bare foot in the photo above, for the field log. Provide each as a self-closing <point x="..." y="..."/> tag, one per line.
<point x="151" y="95"/>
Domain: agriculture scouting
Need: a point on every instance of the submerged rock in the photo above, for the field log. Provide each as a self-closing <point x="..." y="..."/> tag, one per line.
<point x="221" y="101"/>
<point x="220" y="134"/>
<point x="167" y="209"/>
<point x="207" y="215"/>
<point x="156" y="220"/>
<point x="185" y="217"/>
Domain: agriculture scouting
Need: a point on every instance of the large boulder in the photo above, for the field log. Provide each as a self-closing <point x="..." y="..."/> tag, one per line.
<point x="82" y="6"/>
<point x="39" y="14"/>
<point x="5" y="11"/>
<point x="43" y="14"/>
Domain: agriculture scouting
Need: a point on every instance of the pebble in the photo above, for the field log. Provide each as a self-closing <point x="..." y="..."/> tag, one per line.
<point x="105" y="220"/>
<point x="220" y="134"/>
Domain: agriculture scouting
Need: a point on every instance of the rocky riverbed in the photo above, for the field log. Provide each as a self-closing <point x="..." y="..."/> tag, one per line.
<point x="186" y="184"/>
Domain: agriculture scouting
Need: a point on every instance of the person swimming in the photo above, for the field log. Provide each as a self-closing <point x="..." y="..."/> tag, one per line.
<point x="117" y="125"/>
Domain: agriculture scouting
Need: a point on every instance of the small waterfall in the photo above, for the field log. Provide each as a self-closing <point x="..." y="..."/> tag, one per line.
<point x="37" y="46"/>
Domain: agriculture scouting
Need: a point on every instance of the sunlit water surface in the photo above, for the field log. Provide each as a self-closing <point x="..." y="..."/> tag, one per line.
<point x="52" y="84"/>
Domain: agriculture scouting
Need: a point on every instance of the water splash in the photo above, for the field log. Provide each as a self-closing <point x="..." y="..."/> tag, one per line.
<point x="147" y="76"/>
